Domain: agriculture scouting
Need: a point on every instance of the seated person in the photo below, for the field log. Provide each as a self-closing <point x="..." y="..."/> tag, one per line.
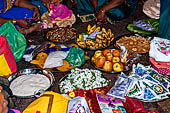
<point x="58" y="14"/>
<point x="41" y="5"/>
<point x="3" y="103"/>
<point x="21" y="13"/>
<point x="164" y="22"/>
<point x="105" y="10"/>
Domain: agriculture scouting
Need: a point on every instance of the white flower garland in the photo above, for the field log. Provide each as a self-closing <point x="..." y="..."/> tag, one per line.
<point x="83" y="79"/>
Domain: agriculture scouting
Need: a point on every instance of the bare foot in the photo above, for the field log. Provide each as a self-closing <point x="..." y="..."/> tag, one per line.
<point x="36" y="27"/>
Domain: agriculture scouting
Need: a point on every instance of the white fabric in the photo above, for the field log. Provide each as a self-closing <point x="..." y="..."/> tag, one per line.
<point x="55" y="59"/>
<point x="160" y="49"/>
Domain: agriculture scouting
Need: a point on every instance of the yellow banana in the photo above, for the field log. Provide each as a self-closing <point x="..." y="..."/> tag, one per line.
<point x="88" y="28"/>
<point x="97" y="29"/>
<point x="104" y="30"/>
<point x="99" y="36"/>
<point x="109" y="32"/>
<point x="92" y="29"/>
<point x="104" y="35"/>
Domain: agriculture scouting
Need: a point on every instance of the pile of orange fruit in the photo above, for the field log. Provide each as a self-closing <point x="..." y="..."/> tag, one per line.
<point x="108" y="60"/>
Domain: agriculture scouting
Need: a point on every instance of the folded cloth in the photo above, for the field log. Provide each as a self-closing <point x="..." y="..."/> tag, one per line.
<point x="160" y="49"/>
<point x="161" y="67"/>
<point x="49" y="102"/>
<point x="160" y="64"/>
<point x="163" y="71"/>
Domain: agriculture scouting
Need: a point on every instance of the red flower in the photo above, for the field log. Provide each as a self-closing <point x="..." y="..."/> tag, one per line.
<point x="81" y="92"/>
<point x="75" y="92"/>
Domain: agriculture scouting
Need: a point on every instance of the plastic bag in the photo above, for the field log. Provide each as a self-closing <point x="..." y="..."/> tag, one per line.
<point x="16" y="40"/>
<point x="78" y="105"/>
<point x="7" y="61"/>
<point x="76" y="57"/>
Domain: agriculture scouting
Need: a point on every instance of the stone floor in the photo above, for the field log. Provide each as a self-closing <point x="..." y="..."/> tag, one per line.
<point x="119" y="28"/>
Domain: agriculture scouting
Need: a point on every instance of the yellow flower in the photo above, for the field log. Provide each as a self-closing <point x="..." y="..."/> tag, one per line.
<point x="72" y="94"/>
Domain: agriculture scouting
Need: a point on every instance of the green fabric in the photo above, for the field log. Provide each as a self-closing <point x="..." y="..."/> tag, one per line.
<point x="76" y="57"/>
<point x="85" y="9"/>
<point x="164" y="24"/>
<point x="16" y="40"/>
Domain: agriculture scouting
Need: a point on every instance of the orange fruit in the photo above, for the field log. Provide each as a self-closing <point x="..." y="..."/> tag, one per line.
<point x="116" y="53"/>
<point x="106" y="51"/>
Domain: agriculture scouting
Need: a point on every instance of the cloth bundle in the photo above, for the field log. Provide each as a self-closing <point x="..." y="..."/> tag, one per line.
<point x="60" y="15"/>
<point x="160" y="55"/>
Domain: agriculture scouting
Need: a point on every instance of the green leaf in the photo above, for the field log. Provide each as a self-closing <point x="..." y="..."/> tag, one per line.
<point x="135" y="29"/>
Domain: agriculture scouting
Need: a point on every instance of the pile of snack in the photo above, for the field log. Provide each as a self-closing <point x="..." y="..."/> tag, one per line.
<point x="134" y="44"/>
<point x="95" y="38"/>
<point x="61" y="35"/>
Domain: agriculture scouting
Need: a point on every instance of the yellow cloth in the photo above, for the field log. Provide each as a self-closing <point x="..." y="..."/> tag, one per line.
<point x="49" y="102"/>
<point x="5" y="71"/>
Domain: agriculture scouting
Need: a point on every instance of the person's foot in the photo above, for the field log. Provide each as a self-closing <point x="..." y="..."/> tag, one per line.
<point x="36" y="27"/>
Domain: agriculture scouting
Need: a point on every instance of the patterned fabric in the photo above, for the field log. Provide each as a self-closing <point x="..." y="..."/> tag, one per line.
<point x="40" y="4"/>
<point x="160" y="49"/>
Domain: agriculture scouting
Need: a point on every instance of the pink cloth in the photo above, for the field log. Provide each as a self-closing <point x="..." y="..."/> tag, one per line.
<point x="16" y="111"/>
<point x="160" y="64"/>
<point x="60" y="11"/>
<point x="163" y="71"/>
<point x="161" y="67"/>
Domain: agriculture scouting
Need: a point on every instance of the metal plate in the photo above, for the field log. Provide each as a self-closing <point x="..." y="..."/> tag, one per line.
<point x="25" y="72"/>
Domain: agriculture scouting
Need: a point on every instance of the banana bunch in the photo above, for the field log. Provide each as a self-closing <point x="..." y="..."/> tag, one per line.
<point x="102" y="40"/>
<point x="92" y="29"/>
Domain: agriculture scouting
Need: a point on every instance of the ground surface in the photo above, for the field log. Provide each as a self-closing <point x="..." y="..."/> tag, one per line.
<point x="119" y="28"/>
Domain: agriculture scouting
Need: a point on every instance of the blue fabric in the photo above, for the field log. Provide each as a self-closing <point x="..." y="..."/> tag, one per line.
<point x="16" y="12"/>
<point x="40" y="4"/>
<point x="10" y="111"/>
<point x="164" y="22"/>
<point x="84" y="8"/>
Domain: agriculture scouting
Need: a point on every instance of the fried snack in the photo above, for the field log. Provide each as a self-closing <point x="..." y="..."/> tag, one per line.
<point x="61" y="34"/>
<point x="134" y="44"/>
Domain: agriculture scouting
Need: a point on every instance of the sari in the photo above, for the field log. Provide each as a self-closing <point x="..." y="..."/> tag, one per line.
<point x="164" y="22"/>
<point x="40" y="4"/>
<point x="8" y="10"/>
<point x="87" y="13"/>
